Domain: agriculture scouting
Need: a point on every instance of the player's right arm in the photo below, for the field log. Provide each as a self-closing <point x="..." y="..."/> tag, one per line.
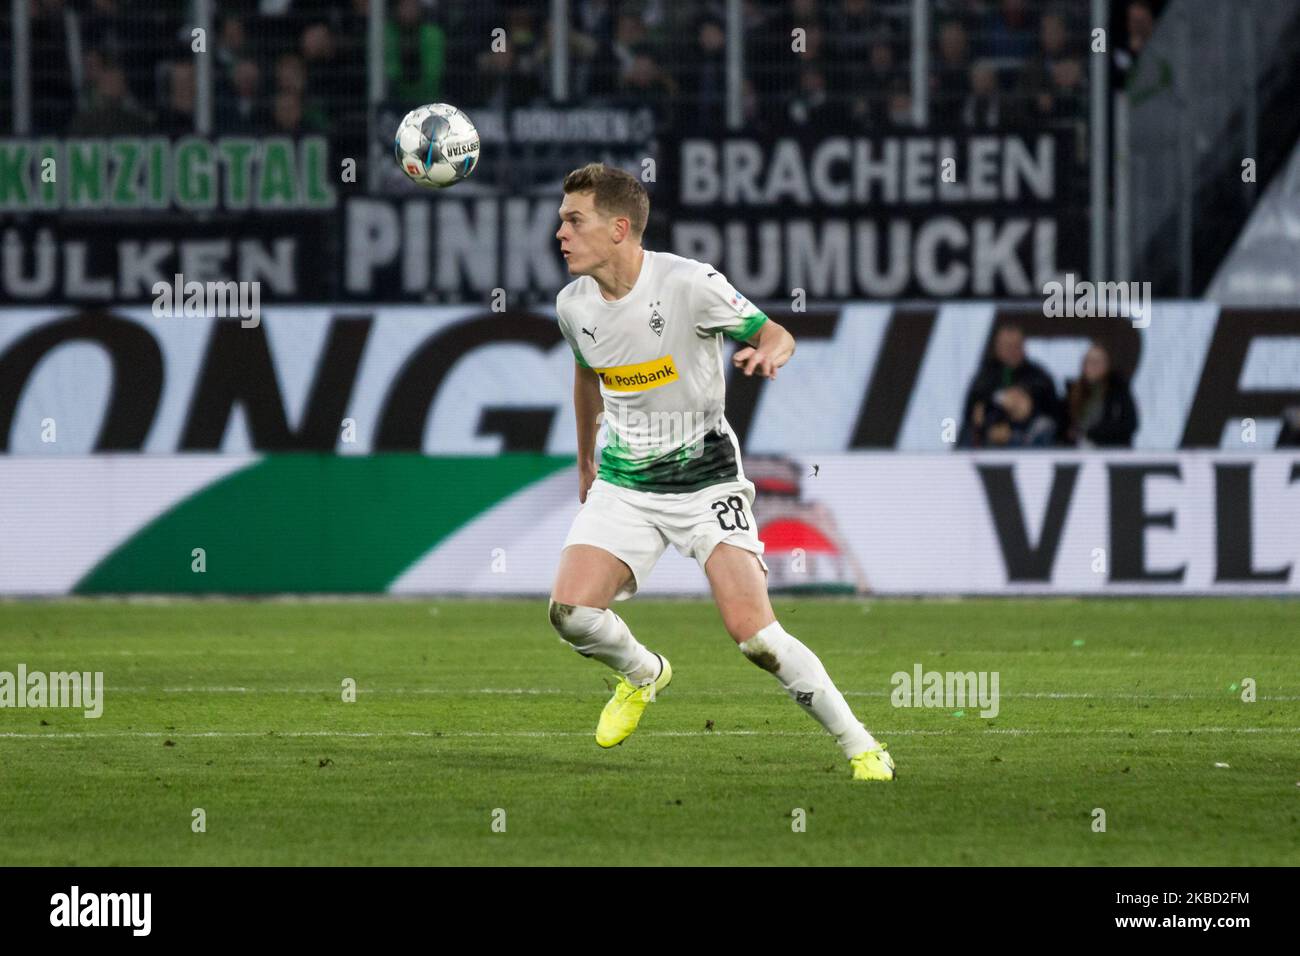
<point x="587" y="403"/>
<point x="587" y="406"/>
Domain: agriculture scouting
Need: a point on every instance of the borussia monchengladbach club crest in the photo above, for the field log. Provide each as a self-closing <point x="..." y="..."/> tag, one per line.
<point x="656" y="320"/>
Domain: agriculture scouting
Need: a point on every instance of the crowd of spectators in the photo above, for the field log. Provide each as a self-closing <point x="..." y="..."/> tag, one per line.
<point x="1012" y="401"/>
<point x="992" y="63"/>
<point x="293" y="66"/>
<point x="287" y="67"/>
<point x="841" y="64"/>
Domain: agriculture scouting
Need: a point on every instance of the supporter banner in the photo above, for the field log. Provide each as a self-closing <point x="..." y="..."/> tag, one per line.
<point x="886" y="216"/>
<point x="474" y="382"/>
<point x="101" y="260"/>
<point x="190" y="174"/>
<point x="957" y="215"/>
<point x="1122" y="523"/>
<point x="99" y="220"/>
<point x="445" y="247"/>
<point x="528" y="151"/>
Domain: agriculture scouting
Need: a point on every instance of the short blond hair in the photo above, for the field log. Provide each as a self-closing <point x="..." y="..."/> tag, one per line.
<point x="617" y="193"/>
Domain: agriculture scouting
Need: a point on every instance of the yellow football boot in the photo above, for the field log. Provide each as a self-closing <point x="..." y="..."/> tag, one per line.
<point x="873" y="765"/>
<point x="624" y="710"/>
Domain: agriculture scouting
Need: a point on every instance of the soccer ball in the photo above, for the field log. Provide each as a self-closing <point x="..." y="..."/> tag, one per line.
<point x="436" y="145"/>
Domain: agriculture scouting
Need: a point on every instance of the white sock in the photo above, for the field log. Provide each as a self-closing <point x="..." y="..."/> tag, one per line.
<point x="602" y="634"/>
<point x="800" y="672"/>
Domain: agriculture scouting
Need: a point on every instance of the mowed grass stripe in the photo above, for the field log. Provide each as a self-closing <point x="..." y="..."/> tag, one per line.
<point x="1133" y="720"/>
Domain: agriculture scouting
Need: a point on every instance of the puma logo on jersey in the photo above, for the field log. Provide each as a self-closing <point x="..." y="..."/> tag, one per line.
<point x="592" y="334"/>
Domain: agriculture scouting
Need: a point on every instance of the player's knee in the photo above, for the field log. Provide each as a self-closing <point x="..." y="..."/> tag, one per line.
<point x="741" y="628"/>
<point x="574" y="622"/>
<point x="742" y="623"/>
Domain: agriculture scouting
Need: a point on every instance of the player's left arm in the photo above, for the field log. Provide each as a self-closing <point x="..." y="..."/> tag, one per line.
<point x="769" y="349"/>
<point x="719" y="308"/>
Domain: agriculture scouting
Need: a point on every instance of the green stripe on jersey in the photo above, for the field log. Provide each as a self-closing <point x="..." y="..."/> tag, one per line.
<point x="746" y="332"/>
<point x="689" y="468"/>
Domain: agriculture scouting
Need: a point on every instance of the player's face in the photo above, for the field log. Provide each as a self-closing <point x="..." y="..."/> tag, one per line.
<point x="584" y="234"/>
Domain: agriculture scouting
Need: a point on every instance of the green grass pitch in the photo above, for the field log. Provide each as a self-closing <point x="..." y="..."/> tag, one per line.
<point x="467" y="708"/>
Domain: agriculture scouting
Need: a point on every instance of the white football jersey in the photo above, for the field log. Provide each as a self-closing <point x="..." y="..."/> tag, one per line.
<point x="658" y="352"/>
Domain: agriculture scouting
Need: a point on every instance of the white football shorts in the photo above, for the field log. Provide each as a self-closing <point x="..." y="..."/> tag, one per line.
<point x="636" y="526"/>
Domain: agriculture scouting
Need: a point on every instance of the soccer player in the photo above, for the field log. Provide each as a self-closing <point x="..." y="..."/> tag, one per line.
<point x="646" y="332"/>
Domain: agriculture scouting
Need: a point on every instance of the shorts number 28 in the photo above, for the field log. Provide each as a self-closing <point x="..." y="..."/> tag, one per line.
<point x="733" y="506"/>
